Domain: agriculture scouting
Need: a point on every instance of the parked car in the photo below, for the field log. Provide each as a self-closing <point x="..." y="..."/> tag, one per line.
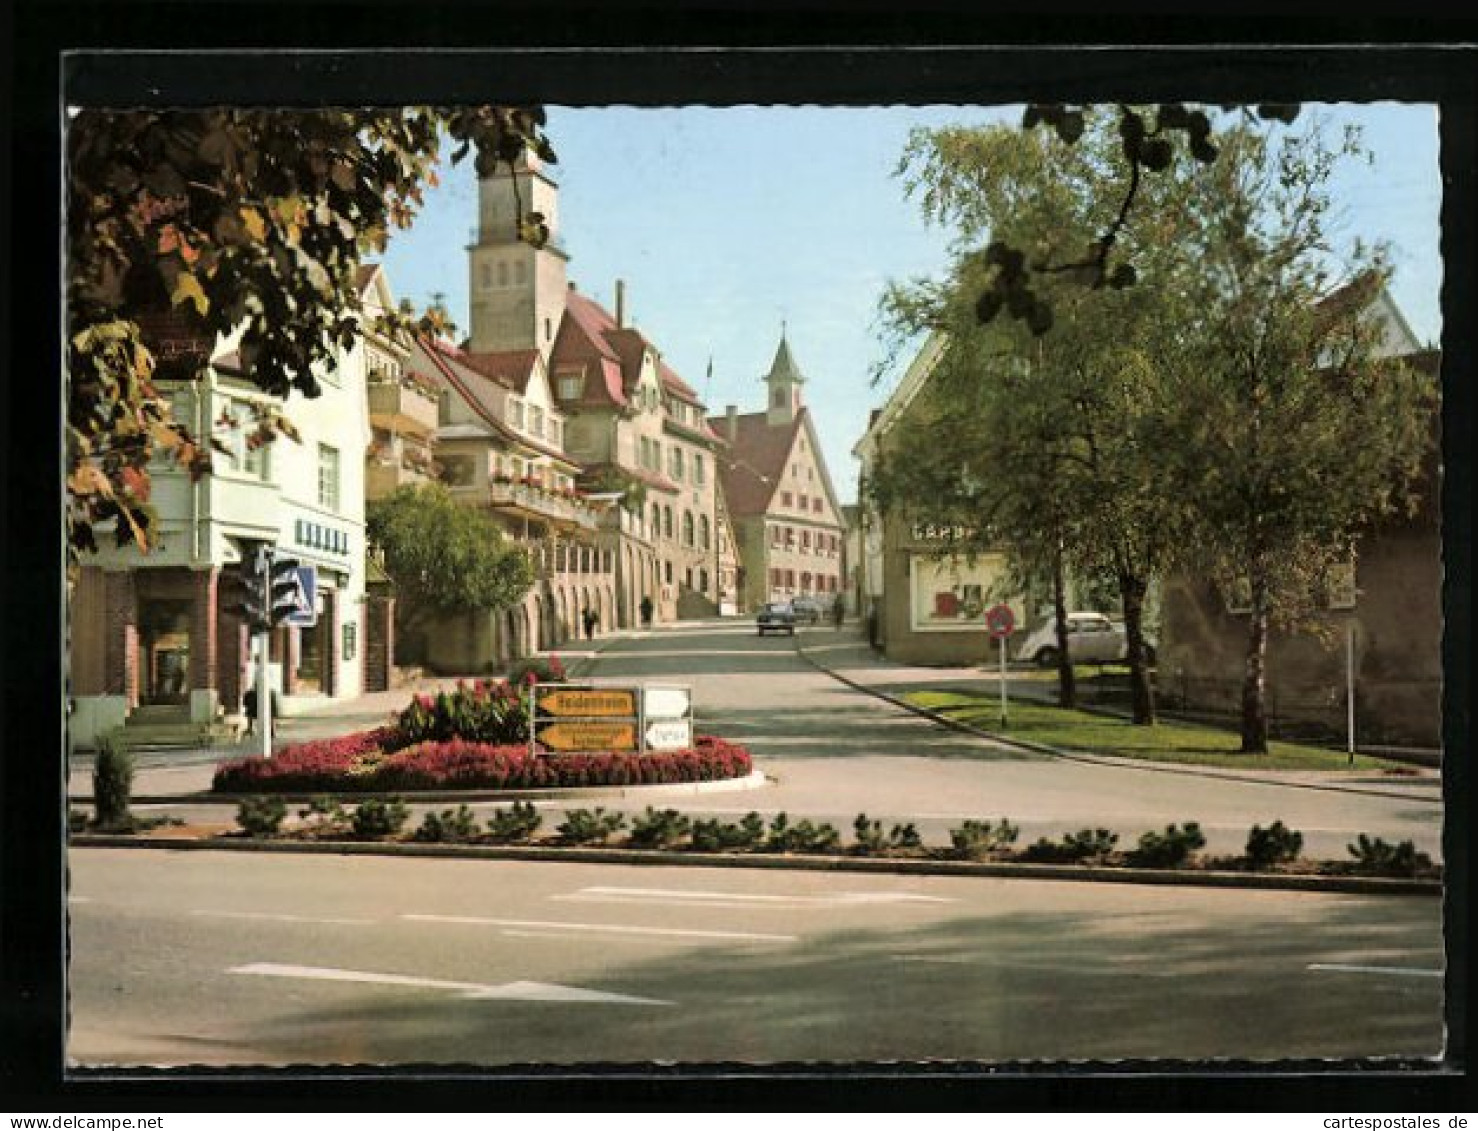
<point x="809" y="610"/>
<point x="777" y="616"/>
<point x="1092" y="638"/>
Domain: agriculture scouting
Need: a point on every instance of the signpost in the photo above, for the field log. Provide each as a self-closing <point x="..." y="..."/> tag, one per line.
<point x="1001" y="622"/>
<point x="577" y="718"/>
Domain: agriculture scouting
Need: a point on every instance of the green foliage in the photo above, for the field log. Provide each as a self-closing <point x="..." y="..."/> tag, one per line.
<point x="261" y="816"/>
<point x="714" y="835"/>
<point x="448" y="825"/>
<point x="590" y="826"/>
<point x="1169" y="849"/>
<point x="869" y="833"/>
<point x="654" y="829"/>
<point x="1378" y="857"/>
<point x="536" y="669"/>
<point x="444" y="557"/>
<point x="484" y="711"/>
<point x="974" y="839"/>
<point x="803" y="836"/>
<point x="220" y="220"/>
<point x="1073" y="848"/>
<point x="324" y="814"/>
<point x="112" y="781"/>
<point x="1276" y="844"/>
<point x="517" y="823"/>
<point x="378" y="818"/>
<point x="77" y="821"/>
<point x="905" y="837"/>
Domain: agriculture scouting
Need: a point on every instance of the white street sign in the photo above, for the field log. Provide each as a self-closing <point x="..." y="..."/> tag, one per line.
<point x="669" y="734"/>
<point x="660" y="702"/>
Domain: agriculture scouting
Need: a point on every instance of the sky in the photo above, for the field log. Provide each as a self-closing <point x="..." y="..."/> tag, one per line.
<point x="727" y="224"/>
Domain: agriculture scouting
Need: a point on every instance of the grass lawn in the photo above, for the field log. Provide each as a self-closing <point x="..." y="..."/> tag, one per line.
<point x="1164" y="742"/>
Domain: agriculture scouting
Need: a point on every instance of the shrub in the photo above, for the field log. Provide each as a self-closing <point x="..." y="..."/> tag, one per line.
<point x="974" y="838"/>
<point x="713" y="835"/>
<point x="655" y="829"/>
<point x="1380" y="858"/>
<point x="484" y="711"/>
<point x="520" y="822"/>
<point x="904" y="837"/>
<point x="1276" y="844"/>
<point x="261" y="816"/>
<point x="376" y="818"/>
<point x="1169" y="849"/>
<point x="801" y="837"/>
<point x="328" y="764"/>
<point x="869" y="833"/>
<point x="1074" y="848"/>
<point x="590" y="826"/>
<point x="324" y="814"/>
<point x="112" y="782"/>
<point x="448" y="825"/>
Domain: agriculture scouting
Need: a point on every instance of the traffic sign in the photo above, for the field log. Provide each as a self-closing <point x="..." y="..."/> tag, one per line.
<point x="585" y="735"/>
<point x="669" y="734"/>
<point x="1001" y="621"/>
<point x="295" y="596"/>
<point x="663" y="702"/>
<point x="553" y="700"/>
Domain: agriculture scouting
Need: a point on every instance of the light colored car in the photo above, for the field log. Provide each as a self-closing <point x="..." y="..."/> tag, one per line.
<point x="777" y="616"/>
<point x="809" y="610"/>
<point x="1092" y="638"/>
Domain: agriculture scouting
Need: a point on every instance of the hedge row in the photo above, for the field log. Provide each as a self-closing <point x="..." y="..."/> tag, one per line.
<point x="359" y="764"/>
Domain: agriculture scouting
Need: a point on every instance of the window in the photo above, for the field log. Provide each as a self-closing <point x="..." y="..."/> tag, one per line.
<point x="668" y="572"/>
<point x="502" y="274"/>
<point x="779" y="397"/>
<point x="816" y="504"/>
<point x="675" y="463"/>
<point x="536" y="420"/>
<point x="703" y="533"/>
<point x="516" y="413"/>
<point x="519" y="273"/>
<point x="553" y="432"/>
<point x="656" y="520"/>
<point x="805" y="540"/>
<point x="667" y="524"/>
<point x="548" y="330"/>
<point x="328" y="477"/>
<point x="687" y="528"/>
<point x="786" y="499"/>
<point x="698" y="470"/>
<point x="802" y="502"/>
<point x="487" y="275"/>
<point x="776" y="539"/>
<point x="571" y="386"/>
<point x="703" y="580"/>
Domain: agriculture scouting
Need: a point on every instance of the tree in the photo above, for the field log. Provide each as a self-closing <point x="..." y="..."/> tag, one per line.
<point x="187" y="224"/>
<point x="1297" y="434"/>
<point x="445" y="558"/>
<point x="1071" y="417"/>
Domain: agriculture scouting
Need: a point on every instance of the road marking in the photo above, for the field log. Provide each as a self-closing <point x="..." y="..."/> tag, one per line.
<point x="474" y="991"/>
<point x="79" y="899"/>
<point x="599" y="928"/>
<point x="512" y="933"/>
<point x="271" y="917"/>
<point x="744" y="899"/>
<point x="1405" y="971"/>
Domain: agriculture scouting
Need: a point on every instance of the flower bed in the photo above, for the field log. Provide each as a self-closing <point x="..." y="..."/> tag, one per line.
<point x="362" y="764"/>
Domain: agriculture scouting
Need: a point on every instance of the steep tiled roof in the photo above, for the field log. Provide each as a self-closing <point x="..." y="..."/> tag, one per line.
<point x="510" y="368"/>
<point x="453" y="370"/>
<point x="752" y="466"/>
<point x="784" y="366"/>
<point x="582" y="343"/>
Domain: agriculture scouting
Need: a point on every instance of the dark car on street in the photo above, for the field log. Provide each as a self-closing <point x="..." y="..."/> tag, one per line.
<point x="777" y="616"/>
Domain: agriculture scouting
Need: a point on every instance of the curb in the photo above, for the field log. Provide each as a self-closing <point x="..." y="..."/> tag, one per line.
<point x="756" y="779"/>
<point x="1094" y="760"/>
<point x="1266" y="881"/>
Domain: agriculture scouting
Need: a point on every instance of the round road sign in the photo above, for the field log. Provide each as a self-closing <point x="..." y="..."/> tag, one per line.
<point x="1000" y="620"/>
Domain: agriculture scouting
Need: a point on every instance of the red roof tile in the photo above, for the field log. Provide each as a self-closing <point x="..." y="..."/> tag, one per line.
<point x="510" y="368"/>
<point x="752" y="466"/>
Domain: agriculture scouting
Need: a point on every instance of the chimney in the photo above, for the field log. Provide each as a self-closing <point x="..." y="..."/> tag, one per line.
<point x="731" y="423"/>
<point x="620" y="304"/>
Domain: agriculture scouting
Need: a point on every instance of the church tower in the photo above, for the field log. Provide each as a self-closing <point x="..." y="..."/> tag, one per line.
<point x="516" y="292"/>
<point x="784" y="382"/>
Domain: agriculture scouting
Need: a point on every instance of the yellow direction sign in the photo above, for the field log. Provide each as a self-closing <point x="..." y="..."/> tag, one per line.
<point x="585" y="702"/>
<point x="586" y="735"/>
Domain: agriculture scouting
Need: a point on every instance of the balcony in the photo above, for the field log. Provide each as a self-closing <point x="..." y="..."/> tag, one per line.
<point x="402" y="406"/>
<point x="524" y="500"/>
<point x="396" y="461"/>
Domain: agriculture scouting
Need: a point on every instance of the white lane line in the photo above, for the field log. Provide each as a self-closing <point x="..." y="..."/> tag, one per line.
<point x="513" y="933"/>
<point x="1403" y="971"/>
<point x="271" y="917"/>
<point x="599" y="928"/>
<point x="478" y="991"/>
<point x="734" y="898"/>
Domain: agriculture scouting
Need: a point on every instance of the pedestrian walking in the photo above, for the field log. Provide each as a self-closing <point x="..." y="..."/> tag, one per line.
<point x="838" y="613"/>
<point x="591" y="619"/>
<point x="646" y="612"/>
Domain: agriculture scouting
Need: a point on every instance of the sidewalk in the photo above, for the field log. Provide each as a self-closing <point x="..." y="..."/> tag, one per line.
<point x="845" y="655"/>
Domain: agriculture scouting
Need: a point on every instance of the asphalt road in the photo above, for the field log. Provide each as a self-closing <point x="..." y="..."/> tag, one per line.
<point x="835" y="751"/>
<point x="244" y="959"/>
